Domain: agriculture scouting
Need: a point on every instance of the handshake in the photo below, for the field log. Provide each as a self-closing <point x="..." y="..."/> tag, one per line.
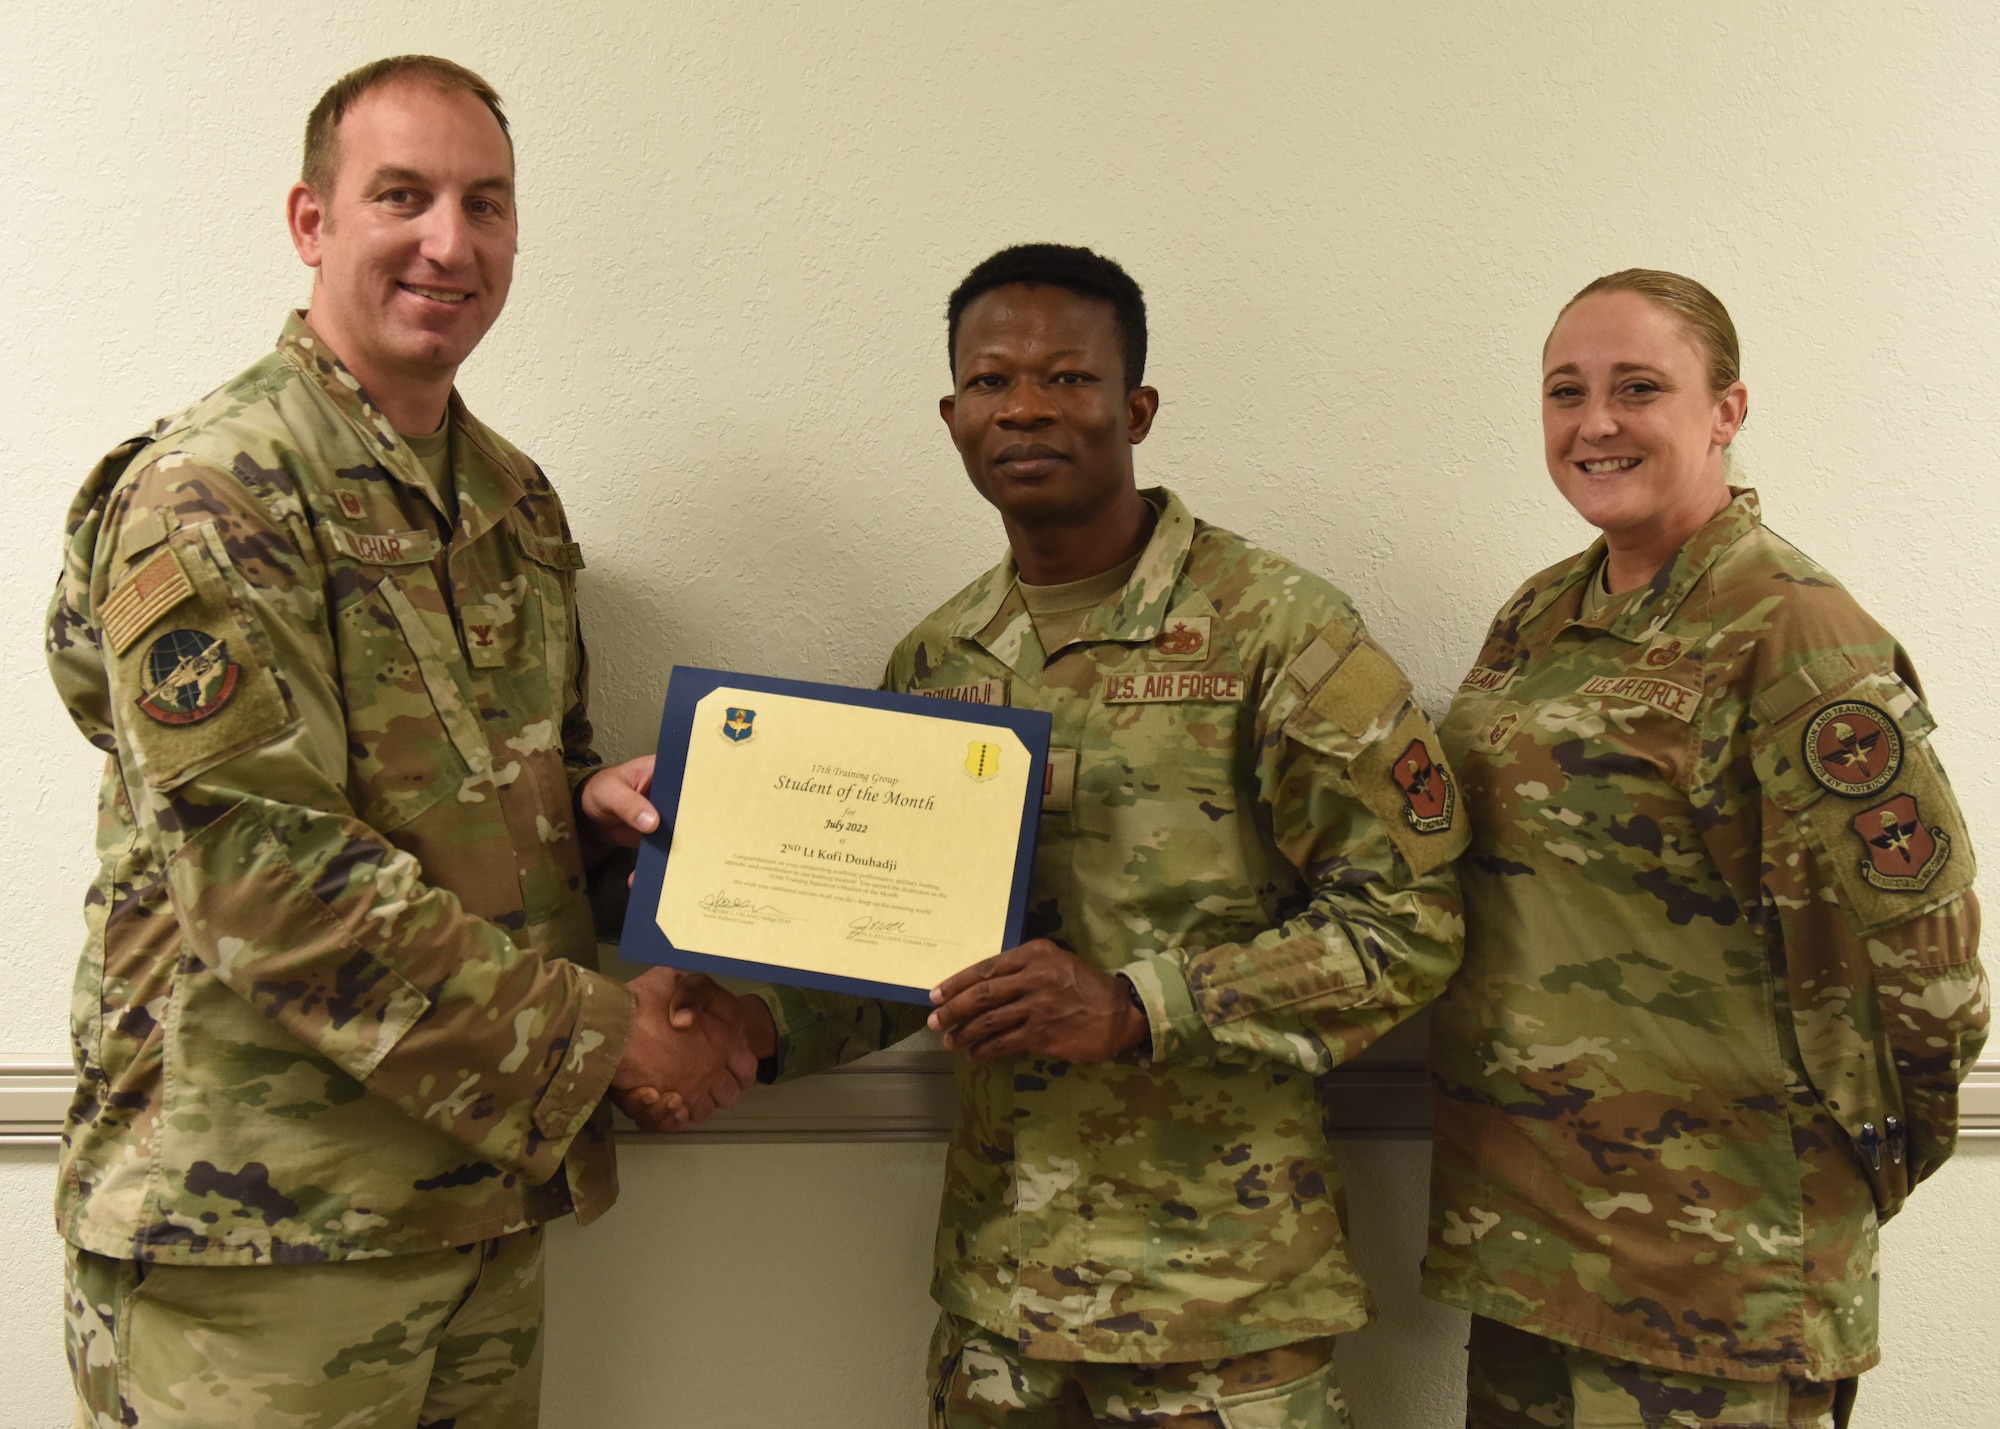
<point x="694" y="1047"/>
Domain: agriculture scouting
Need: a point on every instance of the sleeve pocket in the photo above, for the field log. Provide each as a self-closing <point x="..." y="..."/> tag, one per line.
<point x="1319" y="968"/>
<point x="257" y="924"/>
<point x="195" y="689"/>
<point x="1358" y="711"/>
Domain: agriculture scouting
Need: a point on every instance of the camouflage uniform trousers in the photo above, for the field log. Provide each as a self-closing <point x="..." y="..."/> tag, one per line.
<point x="1515" y="1380"/>
<point x="980" y="1381"/>
<point x="449" y="1337"/>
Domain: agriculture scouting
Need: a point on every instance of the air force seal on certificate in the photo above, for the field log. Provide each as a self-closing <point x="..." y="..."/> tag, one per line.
<point x="738" y="725"/>
<point x="982" y="760"/>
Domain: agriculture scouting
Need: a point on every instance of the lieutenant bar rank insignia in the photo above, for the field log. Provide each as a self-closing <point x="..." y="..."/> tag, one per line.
<point x="1903" y="855"/>
<point x="982" y="760"/>
<point x="737" y="726"/>
<point x="1853" y="749"/>
<point x="189" y="676"/>
<point x="1428" y="797"/>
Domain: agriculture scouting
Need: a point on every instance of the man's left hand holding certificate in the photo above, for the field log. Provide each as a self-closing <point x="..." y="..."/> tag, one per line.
<point x="839" y="839"/>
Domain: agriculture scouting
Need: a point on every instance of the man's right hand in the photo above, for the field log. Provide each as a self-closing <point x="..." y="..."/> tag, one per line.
<point x="682" y="1061"/>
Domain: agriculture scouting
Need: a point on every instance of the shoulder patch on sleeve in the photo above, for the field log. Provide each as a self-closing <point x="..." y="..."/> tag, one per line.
<point x="198" y="692"/>
<point x="1405" y="782"/>
<point x="1855" y="773"/>
<point x="147" y="594"/>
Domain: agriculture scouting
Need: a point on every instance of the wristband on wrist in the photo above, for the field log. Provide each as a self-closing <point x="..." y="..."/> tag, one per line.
<point x="1145" y="1044"/>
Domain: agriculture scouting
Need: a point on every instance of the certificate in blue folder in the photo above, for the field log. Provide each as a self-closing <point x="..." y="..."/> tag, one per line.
<point x="834" y="838"/>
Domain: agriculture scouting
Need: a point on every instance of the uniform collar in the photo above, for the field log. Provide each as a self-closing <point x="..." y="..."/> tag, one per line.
<point x="485" y="480"/>
<point x="1138" y="613"/>
<point x="1646" y="610"/>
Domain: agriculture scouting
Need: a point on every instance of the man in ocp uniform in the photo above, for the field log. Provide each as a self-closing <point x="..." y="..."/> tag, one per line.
<point x="1243" y="877"/>
<point x="341" y="1048"/>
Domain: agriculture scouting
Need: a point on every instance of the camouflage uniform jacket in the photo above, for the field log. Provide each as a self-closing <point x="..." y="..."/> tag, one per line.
<point x="1224" y="826"/>
<point x="333" y="1000"/>
<point x="1720" y="982"/>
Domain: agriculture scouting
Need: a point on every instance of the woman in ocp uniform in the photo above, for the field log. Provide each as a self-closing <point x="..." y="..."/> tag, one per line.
<point x="1720" y="982"/>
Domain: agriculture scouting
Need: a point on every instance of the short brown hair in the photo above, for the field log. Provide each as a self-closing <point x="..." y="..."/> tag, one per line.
<point x="322" y="155"/>
<point x="1700" y="311"/>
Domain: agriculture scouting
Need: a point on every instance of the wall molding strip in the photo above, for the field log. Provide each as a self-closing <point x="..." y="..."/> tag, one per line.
<point x="908" y="1095"/>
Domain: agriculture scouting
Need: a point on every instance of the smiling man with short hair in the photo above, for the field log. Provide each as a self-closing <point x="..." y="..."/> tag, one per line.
<point x="341" y="1046"/>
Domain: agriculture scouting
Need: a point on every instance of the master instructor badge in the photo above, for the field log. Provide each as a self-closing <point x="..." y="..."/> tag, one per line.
<point x="189" y="676"/>
<point x="1853" y="749"/>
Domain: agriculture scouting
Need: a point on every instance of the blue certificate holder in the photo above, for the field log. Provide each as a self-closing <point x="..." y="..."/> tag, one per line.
<point x="846" y="840"/>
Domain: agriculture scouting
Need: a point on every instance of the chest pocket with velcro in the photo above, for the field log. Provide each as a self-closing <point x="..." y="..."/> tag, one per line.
<point x="412" y="736"/>
<point x="556" y="562"/>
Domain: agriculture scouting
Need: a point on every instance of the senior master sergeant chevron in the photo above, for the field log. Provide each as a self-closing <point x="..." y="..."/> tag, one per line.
<point x="341" y="1051"/>
<point x="1243" y="877"/>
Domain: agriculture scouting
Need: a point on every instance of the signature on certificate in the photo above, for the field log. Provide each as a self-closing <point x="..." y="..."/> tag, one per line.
<point x="726" y="903"/>
<point x="865" y="927"/>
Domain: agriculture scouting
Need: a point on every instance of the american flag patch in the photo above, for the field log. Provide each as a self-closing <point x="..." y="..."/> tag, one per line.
<point x="148" y="593"/>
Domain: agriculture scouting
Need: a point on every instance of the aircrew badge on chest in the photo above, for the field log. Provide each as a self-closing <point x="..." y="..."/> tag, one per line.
<point x="1902" y="854"/>
<point x="1428" y="795"/>
<point x="738" y="725"/>
<point x="189" y="676"/>
<point x="1183" y="637"/>
<point x="1853" y="749"/>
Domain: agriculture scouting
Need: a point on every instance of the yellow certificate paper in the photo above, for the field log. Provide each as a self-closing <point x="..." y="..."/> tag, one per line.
<point x="842" y="839"/>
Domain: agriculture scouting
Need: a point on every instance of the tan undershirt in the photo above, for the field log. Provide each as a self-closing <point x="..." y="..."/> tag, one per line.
<point x="1059" y="611"/>
<point x="433" y="454"/>
<point x="1598" y="600"/>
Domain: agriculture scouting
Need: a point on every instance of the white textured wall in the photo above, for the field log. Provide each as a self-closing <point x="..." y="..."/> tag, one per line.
<point x="1354" y="224"/>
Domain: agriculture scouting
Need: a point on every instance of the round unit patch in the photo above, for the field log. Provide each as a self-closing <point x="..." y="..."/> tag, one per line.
<point x="1853" y="749"/>
<point x="189" y="676"/>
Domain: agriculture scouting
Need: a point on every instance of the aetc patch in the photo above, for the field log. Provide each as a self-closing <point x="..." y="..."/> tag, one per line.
<point x="1853" y="749"/>
<point x="1903" y="855"/>
<point x="189" y="676"/>
<point x="1428" y="797"/>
